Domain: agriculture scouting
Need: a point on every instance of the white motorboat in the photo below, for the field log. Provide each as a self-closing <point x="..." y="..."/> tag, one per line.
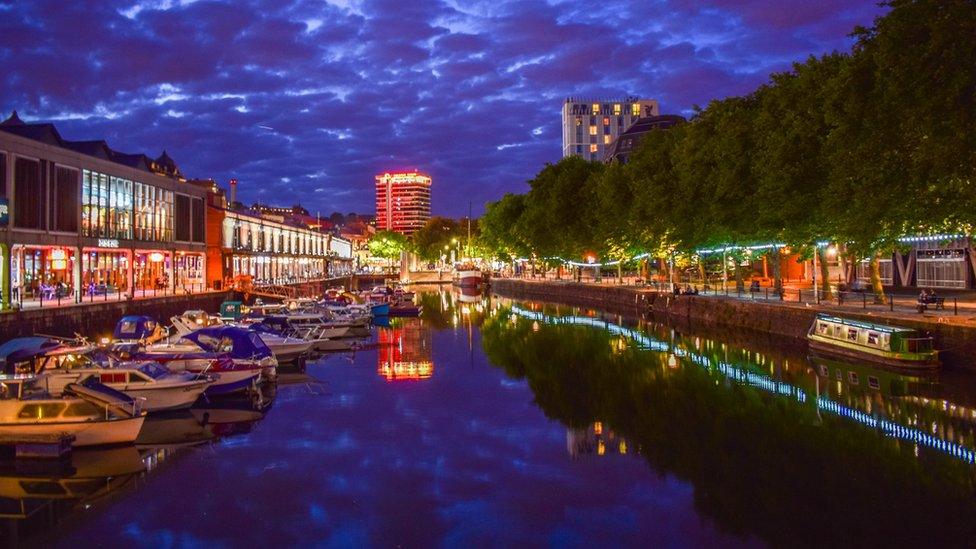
<point x="155" y="385"/>
<point x="285" y="349"/>
<point x="93" y="413"/>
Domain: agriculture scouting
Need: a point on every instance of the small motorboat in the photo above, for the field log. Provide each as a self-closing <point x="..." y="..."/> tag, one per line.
<point x="285" y="349"/>
<point x="155" y="385"/>
<point x="93" y="413"/>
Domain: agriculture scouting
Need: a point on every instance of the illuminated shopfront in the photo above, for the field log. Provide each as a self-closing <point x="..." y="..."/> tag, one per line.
<point x="41" y="272"/>
<point x="80" y="221"/>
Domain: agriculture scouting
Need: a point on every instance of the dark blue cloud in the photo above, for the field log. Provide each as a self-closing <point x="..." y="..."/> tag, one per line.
<point x="319" y="96"/>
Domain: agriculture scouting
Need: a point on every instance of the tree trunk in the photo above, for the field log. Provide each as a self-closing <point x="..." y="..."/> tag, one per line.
<point x="824" y="274"/>
<point x="776" y="259"/>
<point x="876" y="287"/>
<point x="701" y="272"/>
<point x="740" y="284"/>
<point x="620" y="272"/>
<point x="842" y="264"/>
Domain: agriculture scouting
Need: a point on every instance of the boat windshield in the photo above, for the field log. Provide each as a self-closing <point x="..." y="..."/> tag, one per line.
<point x="154" y="370"/>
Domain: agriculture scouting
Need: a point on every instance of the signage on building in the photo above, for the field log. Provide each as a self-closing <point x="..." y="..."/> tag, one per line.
<point x="4" y="212"/>
<point x="108" y="243"/>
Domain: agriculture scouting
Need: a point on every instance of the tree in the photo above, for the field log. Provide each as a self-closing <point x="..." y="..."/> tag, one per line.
<point x="388" y="245"/>
<point x="429" y="240"/>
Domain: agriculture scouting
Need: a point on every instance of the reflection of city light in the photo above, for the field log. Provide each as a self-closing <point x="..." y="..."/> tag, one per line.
<point x="465" y="310"/>
<point x="597" y="428"/>
<point x="768" y="384"/>
<point x="405" y="371"/>
<point x="601" y="448"/>
<point x="623" y="447"/>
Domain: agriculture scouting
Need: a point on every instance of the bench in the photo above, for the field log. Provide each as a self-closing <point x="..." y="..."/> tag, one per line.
<point x="923" y="304"/>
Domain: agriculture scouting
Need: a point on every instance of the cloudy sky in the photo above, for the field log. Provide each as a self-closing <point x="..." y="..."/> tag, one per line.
<point x="306" y="100"/>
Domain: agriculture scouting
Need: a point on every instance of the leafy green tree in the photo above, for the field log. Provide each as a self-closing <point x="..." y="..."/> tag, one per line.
<point x="388" y="245"/>
<point x="429" y="241"/>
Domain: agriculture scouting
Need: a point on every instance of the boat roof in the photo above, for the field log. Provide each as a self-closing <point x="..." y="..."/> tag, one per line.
<point x="866" y="325"/>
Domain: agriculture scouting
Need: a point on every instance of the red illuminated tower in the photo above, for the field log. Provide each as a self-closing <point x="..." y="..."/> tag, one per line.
<point x="402" y="201"/>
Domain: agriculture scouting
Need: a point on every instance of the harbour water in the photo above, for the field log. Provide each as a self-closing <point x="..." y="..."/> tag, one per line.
<point x="488" y="422"/>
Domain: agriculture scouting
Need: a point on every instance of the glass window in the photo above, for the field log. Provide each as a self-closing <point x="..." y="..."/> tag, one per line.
<point x="616" y="109"/>
<point x="635" y="109"/>
<point x="40" y="410"/>
<point x="606" y="120"/>
<point x="3" y="175"/>
<point x="29" y="195"/>
<point x="64" y="200"/>
<point x="941" y="273"/>
<point x="885" y="269"/>
<point x="81" y="409"/>
<point x="592" y="130"/>
<point x="593" y="148"/>
<point x="873" y="382"/>
<point x="853" y="377"/>
<point x="606" y="139"/>
<point x="852" y="334"/>
<point x="596" y="108"/>
<point x="873" y="338"/>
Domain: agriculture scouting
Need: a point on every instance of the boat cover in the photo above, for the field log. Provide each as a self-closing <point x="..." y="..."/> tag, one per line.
<point x="135" y="328"/>
<point x="241" y="343"/>
<point x="97" y="393"/>
<point x="25" y="348"/>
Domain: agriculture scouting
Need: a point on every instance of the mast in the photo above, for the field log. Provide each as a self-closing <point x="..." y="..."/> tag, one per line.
<point x="469" y="230"/>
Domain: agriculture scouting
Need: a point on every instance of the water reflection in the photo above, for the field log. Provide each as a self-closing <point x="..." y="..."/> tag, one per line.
<point x="775" y="444"/>
<point x="404" y="350"/>
<point x="36" y="495"/>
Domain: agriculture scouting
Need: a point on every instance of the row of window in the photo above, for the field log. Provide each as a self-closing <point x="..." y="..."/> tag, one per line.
<point x="929" y="272"/>
<point x="48" y="198"/>
<point x="257" y="237"/>
<point x="597" y="108"/>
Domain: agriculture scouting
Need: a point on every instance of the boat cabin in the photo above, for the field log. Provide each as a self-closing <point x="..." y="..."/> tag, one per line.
<point x="877" y="336"/>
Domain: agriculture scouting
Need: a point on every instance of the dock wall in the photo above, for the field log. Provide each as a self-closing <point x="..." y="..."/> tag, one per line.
<point x="956" y="339"/>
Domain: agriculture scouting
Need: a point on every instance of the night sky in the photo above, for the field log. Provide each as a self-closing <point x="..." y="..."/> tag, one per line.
<point x="308" y="100"/>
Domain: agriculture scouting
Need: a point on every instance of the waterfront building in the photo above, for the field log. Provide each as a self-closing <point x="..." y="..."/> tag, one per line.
<point x="402" y="201"/>
<point x="621" y="147"/>
<point x="591" y="125"/>
<point x="268" y="249"/>
<point x="82" y="221"/>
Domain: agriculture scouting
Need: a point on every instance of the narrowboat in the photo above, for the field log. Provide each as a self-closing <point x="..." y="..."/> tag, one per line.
<point x="893" y="346"/>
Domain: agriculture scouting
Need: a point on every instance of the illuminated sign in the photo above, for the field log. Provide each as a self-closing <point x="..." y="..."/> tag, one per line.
<point x="108" y="243"/>
<point x="4" y="212"/>
<point x="403" y="177"/>
<point x="156" y="257"/>
<point x="59" y="259"/>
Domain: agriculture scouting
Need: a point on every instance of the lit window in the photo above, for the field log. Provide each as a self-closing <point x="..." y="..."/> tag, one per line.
<point x="592" y="130"/>
<point x="635" y="109"/>
<point x="616" y="109"/>
<point x="579" y="120"/>
<point x="606" y="120"/>
<point x="596" y="108"/>
<point x="593" y="148"/>
<point x="606" y="139"/>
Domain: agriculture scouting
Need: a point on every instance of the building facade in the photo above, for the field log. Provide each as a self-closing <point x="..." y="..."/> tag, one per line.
<point x="245" y="243"/>
<point x="402" y="201"/>
<point x="80" y="221"/>
<point x="590" y="126"/>
<point x="622" y="147"/>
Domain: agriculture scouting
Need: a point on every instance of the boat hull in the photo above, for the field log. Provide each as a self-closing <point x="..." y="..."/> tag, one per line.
<point x="168" y="398"/>
<point x="824" y="348"/>
<point x="468" y="279"/>
<point x="87" y="433"/>
<point x="233" y="381"/>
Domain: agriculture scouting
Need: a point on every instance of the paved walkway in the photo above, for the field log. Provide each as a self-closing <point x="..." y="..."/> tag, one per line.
<point x="959" y="306"/>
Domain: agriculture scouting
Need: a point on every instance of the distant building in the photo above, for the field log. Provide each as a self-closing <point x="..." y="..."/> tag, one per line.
<point x="621" y="148"/>
<point x="590" y="126"/>
<point x="402" y="201"/>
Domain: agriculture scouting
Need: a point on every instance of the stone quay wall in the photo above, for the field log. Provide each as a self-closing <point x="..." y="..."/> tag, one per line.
<point x="95" y="320"/>
<point x="955" y="339"/>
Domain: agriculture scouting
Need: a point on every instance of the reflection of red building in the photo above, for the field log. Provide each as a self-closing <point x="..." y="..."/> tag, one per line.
<point x="405" y="352"/>
<point x="402" y="201"/>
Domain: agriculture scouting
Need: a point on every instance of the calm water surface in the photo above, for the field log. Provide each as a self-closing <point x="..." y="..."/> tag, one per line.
<point x="487" y="422"/>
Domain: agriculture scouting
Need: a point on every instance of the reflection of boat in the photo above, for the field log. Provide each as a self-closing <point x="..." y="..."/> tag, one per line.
<point x="889" y="383"/>
<point x="469" y="295"/>
<point x="172" y="430"/>
<point x="903" y="348"/>
<point x="406" y="308"/>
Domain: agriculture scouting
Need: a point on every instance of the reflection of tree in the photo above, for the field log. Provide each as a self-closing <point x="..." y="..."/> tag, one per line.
<point x="442" y="310"/>
<point x="761" y="465"/>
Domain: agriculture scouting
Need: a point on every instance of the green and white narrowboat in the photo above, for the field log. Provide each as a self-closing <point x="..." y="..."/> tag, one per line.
<point x="902" y="348"/>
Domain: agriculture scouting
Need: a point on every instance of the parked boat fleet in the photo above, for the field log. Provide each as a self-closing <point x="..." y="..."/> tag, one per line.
<point x="100" y="392"/>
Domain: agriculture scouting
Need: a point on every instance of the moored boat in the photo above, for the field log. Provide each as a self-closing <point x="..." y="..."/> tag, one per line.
<point x="467" y="276"/>
<point x="893" y="346"/>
